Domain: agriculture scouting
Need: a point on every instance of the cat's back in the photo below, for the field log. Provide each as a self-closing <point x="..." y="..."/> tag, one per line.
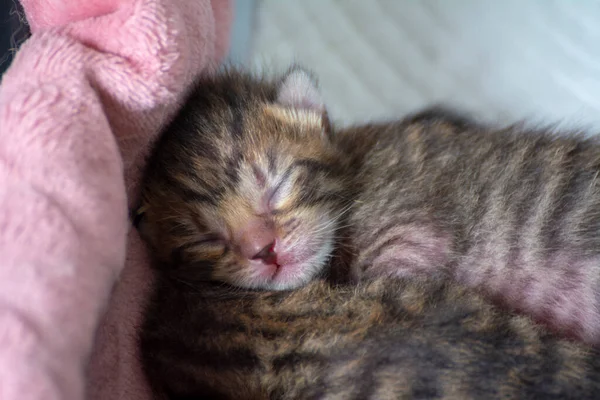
<point x="514" y="212"/>
<point x="441" y="140"/>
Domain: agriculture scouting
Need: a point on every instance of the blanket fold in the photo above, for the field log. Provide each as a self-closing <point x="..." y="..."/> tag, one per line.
<point x="79" y="107"/>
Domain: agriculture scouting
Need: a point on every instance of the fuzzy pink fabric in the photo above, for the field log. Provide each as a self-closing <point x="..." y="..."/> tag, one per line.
<point x="79" y="106"/>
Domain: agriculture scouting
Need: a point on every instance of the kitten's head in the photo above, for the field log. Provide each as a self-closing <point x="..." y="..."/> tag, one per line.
<point x="246" y="186"/>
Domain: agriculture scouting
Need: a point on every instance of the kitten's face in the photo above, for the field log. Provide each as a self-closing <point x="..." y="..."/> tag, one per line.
<point x="252" y="197"/>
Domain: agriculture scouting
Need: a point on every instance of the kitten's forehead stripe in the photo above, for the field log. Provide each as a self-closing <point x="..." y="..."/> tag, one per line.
<point x="206" y="150"/>
<point x="193" y="194"/>
<point x="237" y="125"/>
<point x="232" y="166"/>
<point x="315" y="166"/>
<point x="271" y="160"/>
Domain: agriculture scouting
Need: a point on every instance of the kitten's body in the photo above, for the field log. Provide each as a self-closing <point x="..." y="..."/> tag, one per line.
<point x="250" y="185"/>
<point x="514" y="213"/>
<point x="389" y="339"/>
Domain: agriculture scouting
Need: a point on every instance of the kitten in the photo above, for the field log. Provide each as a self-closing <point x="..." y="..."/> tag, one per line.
<point x="244" y="188"/>
<point x="251" y="185"/>
<point x="386" y="339"/>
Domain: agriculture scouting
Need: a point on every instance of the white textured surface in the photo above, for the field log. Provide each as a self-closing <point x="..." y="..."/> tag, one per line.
<point x="510" y="59"/>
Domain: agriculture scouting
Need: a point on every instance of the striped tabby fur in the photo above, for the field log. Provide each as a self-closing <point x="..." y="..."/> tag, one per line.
<point x="512" y="213"/>
<point x="389" y="339"/>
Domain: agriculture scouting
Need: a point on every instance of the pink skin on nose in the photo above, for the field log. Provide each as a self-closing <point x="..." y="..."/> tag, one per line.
<point x="256" y="241"/>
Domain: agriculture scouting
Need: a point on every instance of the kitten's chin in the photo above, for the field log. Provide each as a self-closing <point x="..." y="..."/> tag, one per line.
<point x="290" y="275"/>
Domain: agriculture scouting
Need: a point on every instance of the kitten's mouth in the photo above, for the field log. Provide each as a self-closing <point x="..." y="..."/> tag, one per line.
<point x="291" y="274"/>
<point x="271" y="257"/>
<point x="289" y="269"/>
<point x="276" y="273"/>
<point x="280" y="271"/>
<point x="275" y="269"/>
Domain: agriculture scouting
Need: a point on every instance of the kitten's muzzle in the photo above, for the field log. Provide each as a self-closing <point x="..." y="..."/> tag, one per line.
<point x="267" y="254"/>
<point x="256" y="241"/>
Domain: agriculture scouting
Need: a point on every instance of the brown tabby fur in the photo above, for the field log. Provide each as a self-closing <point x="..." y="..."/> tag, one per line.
<point x="202" y="179"/>
<point x="513" y="213"/>
<point x="389" y="339"/>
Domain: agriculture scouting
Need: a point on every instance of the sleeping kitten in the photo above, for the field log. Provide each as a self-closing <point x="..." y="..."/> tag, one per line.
<point x="251" y="185"/>
<point x="388" y="339"/>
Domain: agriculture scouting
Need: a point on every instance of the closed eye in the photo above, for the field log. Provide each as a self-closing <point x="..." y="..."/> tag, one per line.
<point x="208" y="246"/>
<point x="210" y="240"/>
<point x="284" y="186"/>
<point x="280" y="191"/>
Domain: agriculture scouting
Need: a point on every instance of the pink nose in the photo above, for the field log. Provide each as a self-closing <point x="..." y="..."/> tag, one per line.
<point x="256" y="241"/>
<point x="267" y="254"/>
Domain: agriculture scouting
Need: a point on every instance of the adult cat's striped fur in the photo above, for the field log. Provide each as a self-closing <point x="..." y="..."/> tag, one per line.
<point x="388" y="339"/>
<point x="251" y="185"/>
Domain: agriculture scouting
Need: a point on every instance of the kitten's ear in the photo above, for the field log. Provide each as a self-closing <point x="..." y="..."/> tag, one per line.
<point x="299" y="90"/>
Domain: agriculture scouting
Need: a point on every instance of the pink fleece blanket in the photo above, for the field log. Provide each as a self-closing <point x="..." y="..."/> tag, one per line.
<point x="79" y="106"/>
